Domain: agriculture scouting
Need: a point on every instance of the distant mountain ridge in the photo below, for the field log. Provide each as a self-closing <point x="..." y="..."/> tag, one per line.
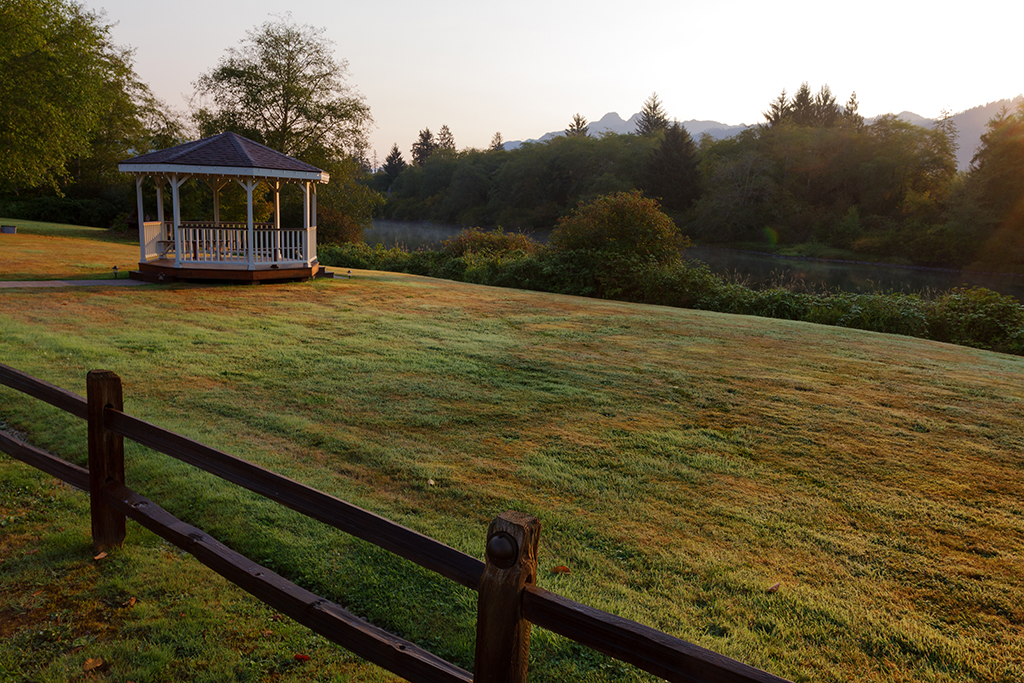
<point x="970" y="124"/>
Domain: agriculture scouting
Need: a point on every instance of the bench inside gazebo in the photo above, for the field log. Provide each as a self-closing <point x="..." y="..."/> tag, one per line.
<point x="223" y="250"/>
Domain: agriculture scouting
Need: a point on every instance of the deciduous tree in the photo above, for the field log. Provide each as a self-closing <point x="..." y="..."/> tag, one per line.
<point x="283" y="87"/>
<point x="64" y="85"/>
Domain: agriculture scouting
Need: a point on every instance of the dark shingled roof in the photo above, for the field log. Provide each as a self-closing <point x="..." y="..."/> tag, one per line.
<point x="225" y="150"/>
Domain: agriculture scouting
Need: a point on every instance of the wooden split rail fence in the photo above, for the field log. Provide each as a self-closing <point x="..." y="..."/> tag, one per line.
<point x="509" y="599"/>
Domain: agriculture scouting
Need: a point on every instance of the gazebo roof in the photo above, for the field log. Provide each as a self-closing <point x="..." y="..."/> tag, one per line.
<point x="227" y="154"/>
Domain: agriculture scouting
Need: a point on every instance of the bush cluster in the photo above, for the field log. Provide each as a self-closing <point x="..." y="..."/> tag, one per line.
<point x="477" y="241"/>
<point x="620" y="224"/>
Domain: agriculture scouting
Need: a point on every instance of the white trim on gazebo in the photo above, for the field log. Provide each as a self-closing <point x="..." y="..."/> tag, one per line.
<point x="163" y="169"/>
<point x="207" y="247"/>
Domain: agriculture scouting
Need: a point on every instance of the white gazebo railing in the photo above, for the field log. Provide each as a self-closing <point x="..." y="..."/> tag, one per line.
<point x="228" y="243"/>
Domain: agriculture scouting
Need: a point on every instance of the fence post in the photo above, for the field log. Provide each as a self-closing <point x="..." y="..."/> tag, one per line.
<point x="502" y="634"/>
<point x="106" y="458"/>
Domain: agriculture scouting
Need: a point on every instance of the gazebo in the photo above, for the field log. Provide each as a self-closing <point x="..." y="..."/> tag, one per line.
<point x="215" y="249"/>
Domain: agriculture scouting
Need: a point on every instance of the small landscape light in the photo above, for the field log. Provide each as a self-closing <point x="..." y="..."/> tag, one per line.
<point x="115" y="272"/>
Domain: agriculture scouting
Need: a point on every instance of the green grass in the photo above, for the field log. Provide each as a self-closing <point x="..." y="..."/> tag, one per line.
<point x="54" y="251"/>
<point x="681" y="463"/>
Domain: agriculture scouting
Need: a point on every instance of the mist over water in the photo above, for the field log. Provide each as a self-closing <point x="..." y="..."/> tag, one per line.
<point x="754" y="268"/>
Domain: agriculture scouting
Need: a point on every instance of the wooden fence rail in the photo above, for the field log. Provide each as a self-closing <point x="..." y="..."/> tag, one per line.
<point x="509" y="599"/>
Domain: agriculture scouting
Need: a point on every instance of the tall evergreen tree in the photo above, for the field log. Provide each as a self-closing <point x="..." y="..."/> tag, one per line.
<point x="947" y="126"/>
<point x="424" y="146"/>
<point x="778" y="110"/>
<point x="670" y="173"/>
<point x="578" y="128"/>
<point x="497" y="142"/>
<point x="393" y="164"/>
<point x="802" y="111"/>
<point x="826" y="112"/>
<point x="652" y="117"/>
<point x="445" y="139"/>
<point x="851" y="116"/>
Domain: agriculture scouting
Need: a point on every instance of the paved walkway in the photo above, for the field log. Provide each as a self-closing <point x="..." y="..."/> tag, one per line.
<point x="126" y="282"/>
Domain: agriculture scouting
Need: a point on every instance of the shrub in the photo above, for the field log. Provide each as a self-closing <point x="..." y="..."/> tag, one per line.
<point x="477" y="241"/>
<point x="978" y="317"/>
<point x="622" y="223"/>
<point x="361" y="255"/>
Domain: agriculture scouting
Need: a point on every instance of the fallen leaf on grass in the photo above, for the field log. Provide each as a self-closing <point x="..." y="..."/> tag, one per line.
<point x="130" y="602"/>
<point x="774" y="588"/>
<point x="32" y="552"/>
<point x="92" y="664"/>
<point x="560" y="569"/>
<point x="301" y="658"/>
<point x="100" y="556"/>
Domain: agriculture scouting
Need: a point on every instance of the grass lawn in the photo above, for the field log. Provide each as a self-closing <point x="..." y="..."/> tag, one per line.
<point x="682" y="464"/>
<point x="53" y="251"/>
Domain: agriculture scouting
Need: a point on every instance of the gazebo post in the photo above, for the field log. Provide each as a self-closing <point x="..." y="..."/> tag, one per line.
<point x="311" y="231"/>
<point x="159" y="181"/>
<point x="305" y="206"/>
<point x="176" y="209"/>
<point x="306" y="199"/>
<point x="142" y="218"/>
<point x="215" y="185"/>
<point x="250" y="185"/>
<point x="275" y="187"/>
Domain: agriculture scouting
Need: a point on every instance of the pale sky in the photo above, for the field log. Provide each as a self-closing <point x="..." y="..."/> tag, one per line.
<point x="525" y="68"/>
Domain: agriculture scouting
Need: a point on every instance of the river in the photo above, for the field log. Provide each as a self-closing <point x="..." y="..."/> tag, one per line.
<point x="757" y="268"/>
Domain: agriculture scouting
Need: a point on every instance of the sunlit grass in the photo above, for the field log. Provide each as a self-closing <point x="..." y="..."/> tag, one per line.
<point x="682" y="463"/>
<point x="53" y="251"/>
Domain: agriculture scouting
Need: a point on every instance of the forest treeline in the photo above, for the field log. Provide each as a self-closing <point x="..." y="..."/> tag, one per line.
<point x="814" y="174"/>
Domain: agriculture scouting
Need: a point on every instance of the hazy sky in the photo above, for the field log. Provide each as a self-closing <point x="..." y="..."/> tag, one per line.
<point x="524" y="69"/>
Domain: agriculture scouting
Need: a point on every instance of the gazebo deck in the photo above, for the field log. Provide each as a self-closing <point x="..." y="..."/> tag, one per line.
<point x="164" y="270"/>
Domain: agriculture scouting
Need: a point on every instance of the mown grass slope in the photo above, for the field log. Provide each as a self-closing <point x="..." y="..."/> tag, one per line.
<point x="682" y="463"/>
